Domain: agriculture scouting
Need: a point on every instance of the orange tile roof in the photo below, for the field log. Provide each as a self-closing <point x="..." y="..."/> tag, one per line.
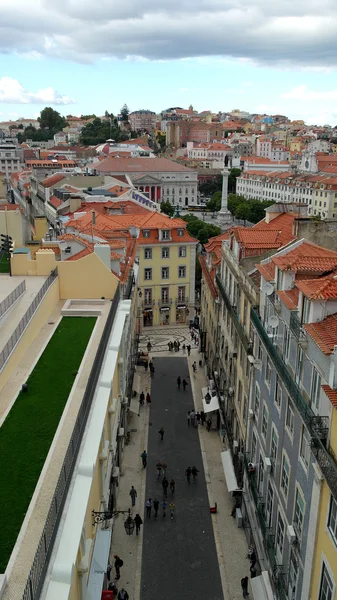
<point x="331" y="394"/>
<point x="55" y="202"/>
<point x="267" y="270"/>
<point x="52" y="180"/>
<point x="324" y="288"/>
<point x="257" y="238"/>
<point x="324" y="333"/>
<point x="307" y="258"/>
<point x="208" y="278"/>
<point x="289" y="297"/>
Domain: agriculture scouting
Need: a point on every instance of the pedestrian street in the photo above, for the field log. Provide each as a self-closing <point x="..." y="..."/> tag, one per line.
<point x="179" y="558"/>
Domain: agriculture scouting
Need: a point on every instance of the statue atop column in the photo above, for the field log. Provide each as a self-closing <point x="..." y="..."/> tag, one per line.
<point x="224" y="216"/>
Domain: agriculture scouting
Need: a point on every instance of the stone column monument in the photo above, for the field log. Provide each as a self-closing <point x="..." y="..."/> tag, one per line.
<point x="224" y="216"/>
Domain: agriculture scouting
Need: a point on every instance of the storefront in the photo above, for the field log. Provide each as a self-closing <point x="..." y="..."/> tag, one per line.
<point x="210" y="405"/>
<point x="181" y="312"/>
<point x="164" y="315"/>
<point x="148" y="317"/>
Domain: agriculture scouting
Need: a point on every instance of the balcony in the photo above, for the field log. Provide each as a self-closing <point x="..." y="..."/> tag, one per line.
<point x="295" y="325"/>
<point x="181" y="300"/>
<point x="148" y="303"/>
<point x="234" y="316"/>
<point x="165" y="302"/>
<point x="325" y="460"/>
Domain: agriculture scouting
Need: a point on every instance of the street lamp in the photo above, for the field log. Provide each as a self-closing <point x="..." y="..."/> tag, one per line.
<point x="99" y="517"/>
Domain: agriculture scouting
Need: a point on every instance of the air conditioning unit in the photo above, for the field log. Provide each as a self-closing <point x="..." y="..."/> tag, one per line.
<point x="267" y="464"/>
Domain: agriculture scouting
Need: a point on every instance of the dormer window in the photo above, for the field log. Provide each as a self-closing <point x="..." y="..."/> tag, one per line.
<point x="165" y="234"/>
<point x="180" y="232"/>
<point x="146" y="233"/>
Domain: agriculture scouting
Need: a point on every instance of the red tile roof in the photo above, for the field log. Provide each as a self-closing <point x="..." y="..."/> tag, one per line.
<point x="140" y="165"/>
<point x="324" y="333"/>
<point x="55" y="202"/>
<point x="289" y="298"/>
<point x="52" y="180"/>
<point x="307" y="258"/>
<point x="324" y="288"/>
<point x="208" y="278"/>
<point x="267" y="270"/>
<point x="331" y="394"/>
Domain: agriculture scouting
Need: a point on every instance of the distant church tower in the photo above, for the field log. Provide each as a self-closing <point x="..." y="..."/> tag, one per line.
<point x="309" y="163"/>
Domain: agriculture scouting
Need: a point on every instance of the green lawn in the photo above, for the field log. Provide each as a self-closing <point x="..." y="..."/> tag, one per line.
<point x="28" y="431"/>
<point x="4" y="264"/>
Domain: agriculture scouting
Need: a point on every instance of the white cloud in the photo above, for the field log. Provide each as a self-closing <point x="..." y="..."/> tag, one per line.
<point x="12" y="92"/>
<point x="287" y="33"/>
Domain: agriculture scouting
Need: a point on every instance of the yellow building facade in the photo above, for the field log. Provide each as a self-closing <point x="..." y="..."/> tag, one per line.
<point x="324" y="573"/>
<point x="166" y="277"/>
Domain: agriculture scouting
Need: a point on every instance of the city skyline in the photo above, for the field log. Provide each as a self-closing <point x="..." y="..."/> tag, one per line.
<point x="277" y="59"/>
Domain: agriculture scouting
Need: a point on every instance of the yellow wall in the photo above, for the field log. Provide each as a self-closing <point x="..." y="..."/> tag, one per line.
<point x="87" y="277"/>
<point x="2" y="186"/>
<point x="156" y="263"/>
<point x="324" y="544"/>
<point x="11" y="224"/>
<point x="295" y="146"/>
<point x="41" y="228"/>
<point x="38" y="321"/>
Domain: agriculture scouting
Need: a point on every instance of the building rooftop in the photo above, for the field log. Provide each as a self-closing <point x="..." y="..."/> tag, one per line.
<point x="324" y="333"/>
<point x="141" y="165"/>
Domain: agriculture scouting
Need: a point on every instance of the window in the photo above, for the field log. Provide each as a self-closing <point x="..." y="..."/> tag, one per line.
<point x="257" y="400"/>
<point x="182" y="251"/>
<point x="290" y="418"/>
<point x="240" y="393"/>
<point x="264" y="421"/>
<point x="148" y="296"/>
<point x="326" y="585"/>
<point x="146" y="233"/>
<point x="147" y="273"/>
<point x="293" y="573"/>
<point x="305" y="448"/>
<point x="286" y="344"/>
<point x="164" y="294"/>
<point x="305" y="310"/>
<point x="261" y="475"/>
<point x="299" y="512"/>
<point x="165" y="234"/>
<point x="181" y="272"/>
<point x="269" y="505"/>
<point x="165" y="272"/>
<point x="299" y="365"/>
<point x="332" y="520"/>
<point x="315" y="388"/>
<point x="165" y="252"/>
<point x="181" y="293"/>
<point x="268" y="371"/>
<point x="273" y="445"/>
<point x="180" y="232"/>
<point x="278" y="394"/>
<point x="285" y="471"/>
<point x="253" y="447"/>
<point x="280" y="534"/>
<point x="148" y="253"/>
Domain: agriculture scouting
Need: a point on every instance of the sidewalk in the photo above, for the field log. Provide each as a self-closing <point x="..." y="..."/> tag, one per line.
<point x="129" y="548"/>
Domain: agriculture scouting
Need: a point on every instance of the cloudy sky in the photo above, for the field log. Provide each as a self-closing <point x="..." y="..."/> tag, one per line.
<point x="81" y="56"/>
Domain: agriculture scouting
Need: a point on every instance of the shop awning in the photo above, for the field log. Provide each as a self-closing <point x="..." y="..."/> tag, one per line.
<point x="99" y="562"/>
<point x="181" y="306"/>
<point x="164" y="309"/>
<point x="214" y="402"/>
<point x="134" y="406"/>
<point x="261" y="587"/>
<point x="227" y="464"/>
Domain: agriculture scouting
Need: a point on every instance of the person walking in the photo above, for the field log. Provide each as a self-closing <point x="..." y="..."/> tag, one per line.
<point x="133" y="494"/>
<point x="155" y="508"/>
<point x="164" y="507"/>
<point x="164" y="467"/>
<point x="148" y="505"/>
<point x="192" y="417"/>
<point x="244" y="585"/>
<point x="143" y="456"/>
<point x="188" y="418"/>
<point x="188" y="350"/>
<point x="172" y="487"/>
<point x="108" y="572"/>
<point x="188" y="474"/>
<point x="165" y="484"/>
<point x="208" y="424"/>
<point x="158" y="465"/>
<point x="118" y="564"/>
<point x="172" y="509"/>
<point x="184" y="348"/>
<point x="138" y="523"/>
<point x="179" y="383"/>
<point x="148" y="399"/>
<point x="185" y="384"/>
<point x="161" y="433"/>
<point x="194" y="367"/>
<point x="123" y="595"/>
<point x="198" y="417"/>
<point x="202" y="417"/>
<point x="194" y="473"/>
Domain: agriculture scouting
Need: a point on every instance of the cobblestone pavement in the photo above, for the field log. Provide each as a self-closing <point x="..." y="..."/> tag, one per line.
<point x="159" y="338"/>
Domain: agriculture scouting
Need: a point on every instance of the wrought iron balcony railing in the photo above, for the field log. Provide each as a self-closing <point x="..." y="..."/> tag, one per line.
<point x="234" y="315"/>
<point x="165" y="302"/>
<point x="326" y="462"/>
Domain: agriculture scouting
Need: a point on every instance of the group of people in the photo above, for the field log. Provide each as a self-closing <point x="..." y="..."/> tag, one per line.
<point x="194" y="418"/>
<point x="143" y="398"/>
<point x="122" y="594"/>
<point x="179" y="382"/>
<point x="161" y="467"/>
<point x="191" y="471"/>
<point x="149" y="365"/>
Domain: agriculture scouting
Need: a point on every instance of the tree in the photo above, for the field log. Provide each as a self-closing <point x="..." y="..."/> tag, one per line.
<point x="209" y="187"/>
<point x="125" y="113"/>
<point x="256" y="210"/>
<point x="233" y="174"/>
<point x="215" y="202"/>
<point x="51" y="119"/>
<point x="167" y="208"/>
<point x="242" y="211"/>
<point x="86" y="117"/>
<point x="200" y="230"/>
<point x="99" y="131"/>
<point x="233" y="202"/>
